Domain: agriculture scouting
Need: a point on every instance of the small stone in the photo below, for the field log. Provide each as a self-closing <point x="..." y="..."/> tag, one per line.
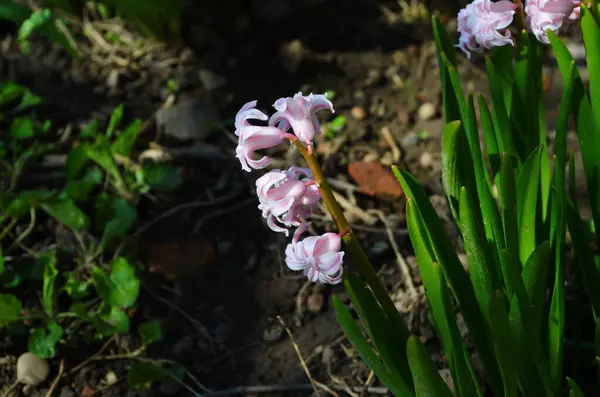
<point x="31" y="370"/>
<point x="426" y="111"/>
<point x="110" y="378"/>
<point x="426" y="160"/>
<point x="314" y="303"/>
<point x="273" y="332"/>
<point x="358" y="113"/>
<point x="379" y="248"/>
<point x="27" y="391"/>
<point x="113" y="79"/>
<point x="409" y="140"/>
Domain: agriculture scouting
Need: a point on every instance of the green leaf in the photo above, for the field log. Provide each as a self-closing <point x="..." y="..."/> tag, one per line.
<point x="10" y="309"/>
<point x="101" y="154"/>
<point x="76" y="288"/>
<point x="503" y="344"/>
<point x="457" y="168"/>
<point x="388" y="341"/>
<point x="575" y="390"/>
<point x="479" y="256"/>
<point x="66" y="212"/>
<point x="10" y="90"/>
<point x="428" y="382"/>
<point x="150" y="332"/>
<point x="489" y="136"/>
<point x="502" y="127"/>
<point x="22" y="128"/>
<point x="535" y="276"/>
<point x="356" y="337"/>
<point x="110" y="321"/>
<point x="115" y="120"/>
<point x="584" y="257"/>
<point x="143" y="374"/>
<point x="587" y="129"/>
<point x="126" y="139"/>
<point x="79" y="190"/>
<point x="556" y="317"/>
<point x="121" y="221"/>
<point x="445" y="45"/>
<point x="43" y="22"/>
<point x="50" y="273"/>
<point x="511" y="268"/>
<point x="440" y="303"/>
<point x="162" y="177"/>
<point x="42" y="342"/>
<point x="591" y="40"/>
<point x="77" y="160"/>
<point x="455" y="274"/>
<point x="29" y="99"/>
<point x="125" y="287"/>
<point x="528" y="184"/>
<point x="502" y="58"/>
<point x="102" y="283"/>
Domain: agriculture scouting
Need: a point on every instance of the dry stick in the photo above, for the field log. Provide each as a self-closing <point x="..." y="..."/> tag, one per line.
<point x="61" y="369"/>
<point x="399" y="258"/>
<point x="91" y="358"/>
<point x="313" y="382"/>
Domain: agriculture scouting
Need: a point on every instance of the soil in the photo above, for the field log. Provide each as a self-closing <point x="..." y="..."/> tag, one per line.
<point x="217" y="281"/>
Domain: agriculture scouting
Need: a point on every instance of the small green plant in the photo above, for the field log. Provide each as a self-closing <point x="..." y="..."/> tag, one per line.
<point x="87" y="287"/>
<point x="332" y="128"/>
<point x="43" y="21"/>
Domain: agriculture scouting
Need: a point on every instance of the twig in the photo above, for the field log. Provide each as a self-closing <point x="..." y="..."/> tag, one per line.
<point x="313" y="382"/>
<point x="399" y="258"/>
<point x="224" y="211"/>
<point x="354" y="210"/>
<point x="11" y="388"/>
<point x="61" y="369"/>
<point x="97" y="354"/>
<point x="247" y="390"/>
<point x="199" y="327"/>
<point x="387" y="135"/>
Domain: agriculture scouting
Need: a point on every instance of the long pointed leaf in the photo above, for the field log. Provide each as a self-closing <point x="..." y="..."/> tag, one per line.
<point x="355" y="336"/>
<point x="440" y="303"/>
<point x="428" y="382"/>
<point x="455" y="274"/>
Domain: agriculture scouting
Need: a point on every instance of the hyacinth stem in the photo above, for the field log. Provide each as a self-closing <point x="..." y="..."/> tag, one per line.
<point x="365" y="267"/>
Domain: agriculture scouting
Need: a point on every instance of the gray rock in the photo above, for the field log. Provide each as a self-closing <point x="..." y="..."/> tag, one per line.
<point x="190" y="120"/>
<point x="31" y="370"/>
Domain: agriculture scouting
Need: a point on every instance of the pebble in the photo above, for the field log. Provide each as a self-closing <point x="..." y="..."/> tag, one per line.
<point x="358" y="113"/>
<point x="379" y="248"/>
<point x="110" y="378"/>
<point x="426" y="160"/>
<point x="409" y="140"/>
<point x="210" y="80"/>
<point x="314" y="303"/>
<point x="31" y="370"/>
<point x="426" y="111"/>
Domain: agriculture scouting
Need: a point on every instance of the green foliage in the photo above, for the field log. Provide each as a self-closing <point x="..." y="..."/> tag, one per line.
<point x="94" y="210"/>
<point x="513" y="295"/>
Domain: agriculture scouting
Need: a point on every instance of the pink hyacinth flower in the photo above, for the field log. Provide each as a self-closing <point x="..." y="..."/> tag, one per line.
<point x="248" y="112"/>
<point x="319" y="257"/>
<point x="299" y="114"/>
<point x="544" y="15"/>
<point x="483" y="24"/>
<point x="253" y="138"/>
<point x="287" y="197"/>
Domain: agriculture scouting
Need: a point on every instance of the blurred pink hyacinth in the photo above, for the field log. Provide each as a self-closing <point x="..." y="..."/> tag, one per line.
<point x="483" y="24"/>
<point x="299" y="114"/>
<point x="254" y="138"/>
<point x="543" y="15"/>
<point x="287" y="197"/>
<point x="319" y="257"/>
